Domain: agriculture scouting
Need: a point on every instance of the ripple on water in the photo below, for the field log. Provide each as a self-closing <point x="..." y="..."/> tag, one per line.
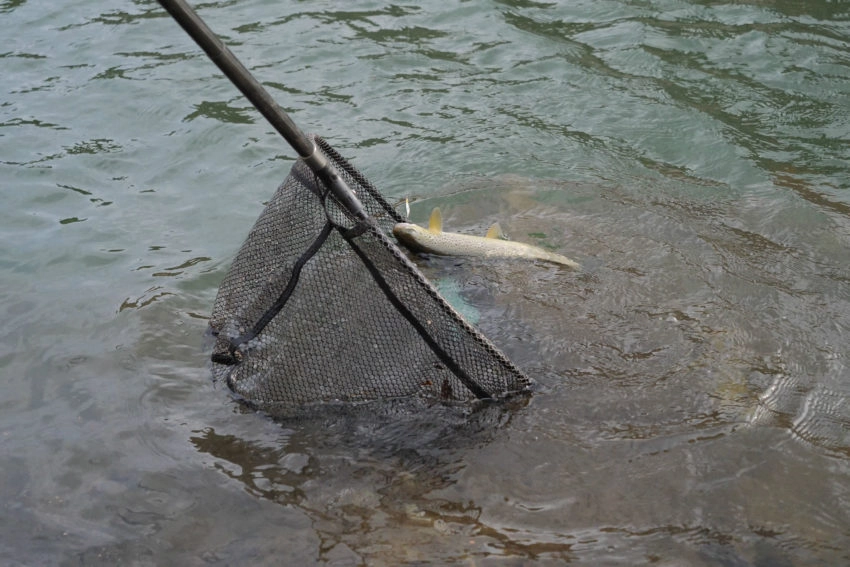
<point x="812" y="412"/>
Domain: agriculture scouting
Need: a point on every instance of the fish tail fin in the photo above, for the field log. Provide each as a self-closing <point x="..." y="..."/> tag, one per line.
<point x="564" y="261"/>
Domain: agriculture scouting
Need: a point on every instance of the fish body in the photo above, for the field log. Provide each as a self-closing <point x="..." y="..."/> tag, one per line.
<point x="434" y="241"/>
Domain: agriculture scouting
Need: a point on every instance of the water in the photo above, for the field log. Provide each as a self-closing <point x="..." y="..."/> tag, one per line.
<point x="692" y="398"/>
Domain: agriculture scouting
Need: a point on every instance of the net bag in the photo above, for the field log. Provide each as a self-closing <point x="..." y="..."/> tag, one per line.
<point x="319" y="306"/>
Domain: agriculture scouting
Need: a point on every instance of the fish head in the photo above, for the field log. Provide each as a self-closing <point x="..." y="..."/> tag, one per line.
<point x="410" y="234"/>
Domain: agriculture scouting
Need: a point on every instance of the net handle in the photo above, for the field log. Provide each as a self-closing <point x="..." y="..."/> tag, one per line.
<point x="215" y="49"/>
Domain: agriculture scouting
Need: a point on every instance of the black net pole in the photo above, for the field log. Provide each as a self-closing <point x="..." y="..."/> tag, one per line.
<point x="238" y="74"/>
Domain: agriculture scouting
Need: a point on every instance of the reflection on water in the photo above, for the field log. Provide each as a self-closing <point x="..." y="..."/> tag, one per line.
<point x="818" y="413"/>
<point x="692" y="389"/>
<point x="359" y="472"/>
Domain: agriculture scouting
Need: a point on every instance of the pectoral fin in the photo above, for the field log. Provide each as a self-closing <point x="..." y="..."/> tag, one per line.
<point x="496" y="232"/>
<point x="435" y="223"/>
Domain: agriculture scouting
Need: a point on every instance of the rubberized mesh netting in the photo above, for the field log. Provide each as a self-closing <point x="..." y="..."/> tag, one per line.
<point x="319" y="307"/>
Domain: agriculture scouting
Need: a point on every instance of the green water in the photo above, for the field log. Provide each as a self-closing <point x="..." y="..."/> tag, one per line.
<point x="692" y="381"/>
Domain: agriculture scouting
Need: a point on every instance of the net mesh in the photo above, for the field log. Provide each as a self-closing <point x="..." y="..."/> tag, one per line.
<point x="318" y="307"/>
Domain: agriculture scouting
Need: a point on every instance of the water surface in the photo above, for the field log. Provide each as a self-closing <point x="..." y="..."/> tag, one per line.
<point x="692" y="386"/>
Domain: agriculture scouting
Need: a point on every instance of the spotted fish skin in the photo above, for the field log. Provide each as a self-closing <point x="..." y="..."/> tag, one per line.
<point x="434" y="241"/>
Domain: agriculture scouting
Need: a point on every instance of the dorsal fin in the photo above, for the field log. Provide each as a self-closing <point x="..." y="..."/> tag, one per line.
<point x="496" y="232"/>
<point x="435" y="223"/>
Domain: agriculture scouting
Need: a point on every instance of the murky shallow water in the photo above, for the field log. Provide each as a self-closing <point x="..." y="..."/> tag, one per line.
<point x="692" y="388"/>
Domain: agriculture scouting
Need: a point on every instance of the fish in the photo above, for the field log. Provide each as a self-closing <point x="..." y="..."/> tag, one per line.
<point x="434" y="241"/>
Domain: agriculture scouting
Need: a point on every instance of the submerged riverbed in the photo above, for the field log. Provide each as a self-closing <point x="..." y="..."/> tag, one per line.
<point x="691" y="400"/>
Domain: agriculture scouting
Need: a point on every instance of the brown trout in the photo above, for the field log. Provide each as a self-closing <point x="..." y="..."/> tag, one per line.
<point x="434" y="241"/>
